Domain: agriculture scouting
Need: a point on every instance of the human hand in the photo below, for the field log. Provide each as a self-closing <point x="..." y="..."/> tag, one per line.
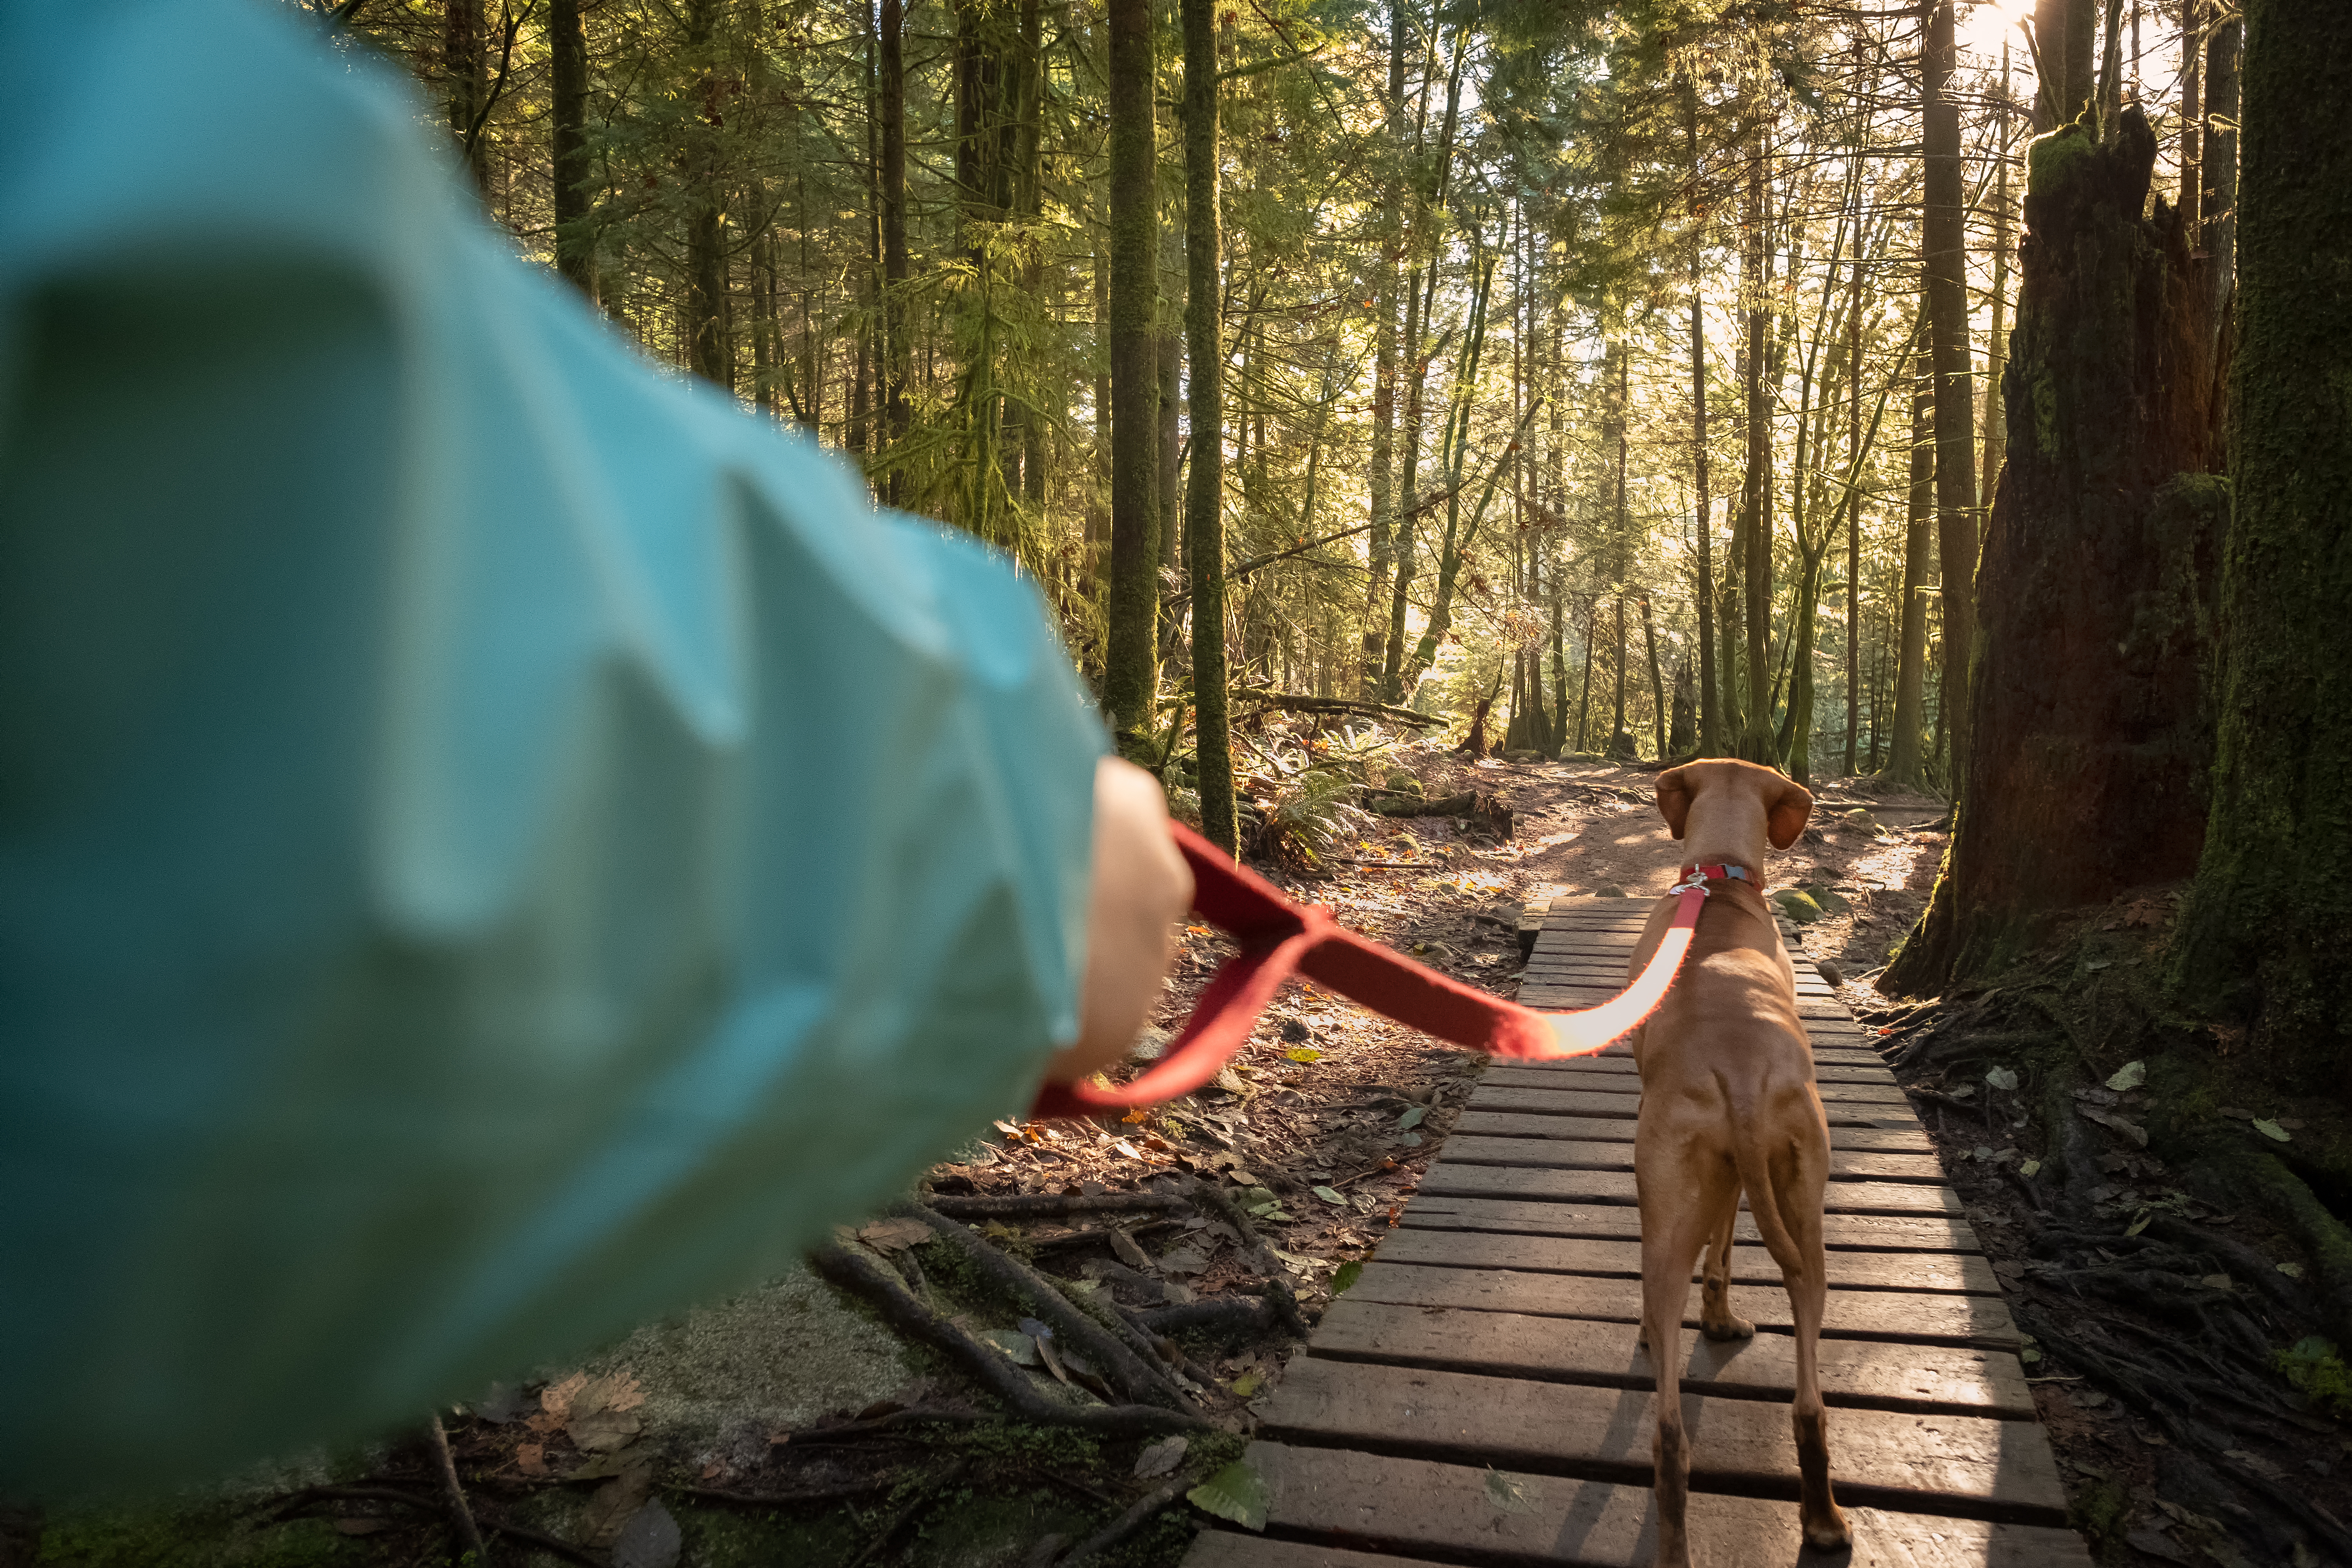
<point x="1142" y="888"/>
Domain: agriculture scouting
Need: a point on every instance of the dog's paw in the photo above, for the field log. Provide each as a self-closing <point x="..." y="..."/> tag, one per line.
<point x="1829" y="1538"/>
<point x="1728" y="1328"/>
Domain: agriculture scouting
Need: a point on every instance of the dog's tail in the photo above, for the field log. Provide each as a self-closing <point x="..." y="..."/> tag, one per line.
<point x="1773" y="1172"/>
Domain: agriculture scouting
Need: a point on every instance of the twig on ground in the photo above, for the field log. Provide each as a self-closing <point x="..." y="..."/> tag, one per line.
<point x="782" y="1500"/>
<point x="1129" y="1371"/>
<point x="460" y="1513"/>
<point x="992" y="1368"/>
<point x="1050" y="1205"/>
<point x="1128" y="1523"/>
<point x="1080" y="1237"/>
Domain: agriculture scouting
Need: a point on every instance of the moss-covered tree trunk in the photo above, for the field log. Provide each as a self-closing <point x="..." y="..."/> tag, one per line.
<point x="1204" y="521"/>
<point x="1131" y="668"/>
<point x="2085" y="774"/>
<point x="2268" y="933"/>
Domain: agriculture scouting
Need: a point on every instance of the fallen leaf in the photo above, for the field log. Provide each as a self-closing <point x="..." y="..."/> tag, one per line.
<point x="1127" y="1149"/>
<point x="531" y="1459"/>
<point x="2255" y="1463"/>
<point x="1158" y="1458"/>
<point x="1508" y="1493"/>
<point x="2003" y="1078"/>
<point x="650" y="1540"/>
<point x="1044" y="1344"/>
<point x="614" y="1504"/>
<point x="2214" y="1281"/>
<point x="2272" y="1130"/>
<point x="2030" y="1168"/>
<point x="1136" y="1117"/>
<point x="887" y="1236"/>
<point x="1412" y="1118"/>
<point x="2156" y="1543"/>
<point x="1963" y="1092"/>
<point x="1331" y="1195"/>
<point x="1304" y="1054"/>
<point x="601" y="1419"/>
<point x="1237" y="1493"/>
<point x="2141" y="1223"/>
<point x="2115" y="1123"/>
<point x="1183" y="1260"/>
<point x="1247" y="1383"/>
<point x="1981" y="1153"/>
<point x="2131" y="1075"/>
<point x="1348" y="1273"/>
<point x="555" y="1403"/>
<point x="2292" y="1270"/>
<point x="1014" y="1343"/>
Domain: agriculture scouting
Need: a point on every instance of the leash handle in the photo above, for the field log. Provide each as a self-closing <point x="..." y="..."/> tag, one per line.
<point x="1279" y="939"/>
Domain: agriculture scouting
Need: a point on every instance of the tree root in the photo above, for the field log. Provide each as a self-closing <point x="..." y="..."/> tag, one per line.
<point x="460" y="1513"/>
<point x="1125" y="1524"/>
<point x="1131" y="1374"/>
<point x="1050" y="1205"/>
<point x="1230" y="1318"/>
<point x="882" y="1291"/>
<point x="1081" y="1237"/>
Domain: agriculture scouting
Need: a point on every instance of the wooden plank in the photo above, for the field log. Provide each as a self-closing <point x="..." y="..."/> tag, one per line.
<point x="1520" y="1216"/>
<point x="1965" y="1465"/>
<point x="1505" y="1122"/>
<point x="1864" y="1373"/>
<point x="1454" y="1513"/>
<point x="1622" y="1101"/>
<point x="1564" y="1154"/>
<point x="1750" y="1265"/>
<point x="1617" y="1187"/>
<point x="1911" y="1318"/>
<point x="1535" y="1076"/>
<point x="1878" y="1077"/>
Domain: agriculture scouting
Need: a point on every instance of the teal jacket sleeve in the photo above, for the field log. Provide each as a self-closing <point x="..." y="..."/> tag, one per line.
<point x="497" y="842"/>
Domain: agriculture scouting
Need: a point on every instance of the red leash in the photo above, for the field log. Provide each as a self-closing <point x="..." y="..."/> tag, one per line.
<point x="1279" y="939"/>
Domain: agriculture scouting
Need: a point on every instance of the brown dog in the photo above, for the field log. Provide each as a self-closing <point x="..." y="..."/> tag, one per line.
<point x="1728" y="1104"/>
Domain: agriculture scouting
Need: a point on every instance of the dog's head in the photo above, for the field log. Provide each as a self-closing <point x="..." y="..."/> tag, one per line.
<point x="1729" y="804"/>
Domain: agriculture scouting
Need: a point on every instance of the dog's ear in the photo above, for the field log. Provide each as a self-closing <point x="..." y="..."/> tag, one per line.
<point x="1786" y="816"/>
<point x="1674" y="799"/>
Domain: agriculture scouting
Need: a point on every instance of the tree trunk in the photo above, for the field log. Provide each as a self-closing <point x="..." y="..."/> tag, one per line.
<point x="1943" y="231"/>
<point x="1996" y="424"/>
<point x="892" y="47"/>
<point x="2219" y="165"/>
<point x="466" y="68"/>
<point x="1710" y="710"/>
<point x="1204" y="527"/>
<point x="2092" y="728"/>
<point x="1906" y="761"/>
<point x="575" y="246"/>
<point x="1384" y="364"/>
<point x="1657" y="676"/>
<point x="1755" y="739"/>
<point x="1131" y="672"/>
<point x="2064" y="31"/>
<point x="2268" y="933"/>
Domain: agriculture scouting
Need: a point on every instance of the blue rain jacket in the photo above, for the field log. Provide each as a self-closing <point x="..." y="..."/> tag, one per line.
<point x="497" y="842"/>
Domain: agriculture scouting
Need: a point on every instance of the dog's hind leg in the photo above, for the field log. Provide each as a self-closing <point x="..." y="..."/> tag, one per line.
<point x="1666" y="1289"/>
<point x="1716" y="1321"/>
<point x="1798" y="1177"/>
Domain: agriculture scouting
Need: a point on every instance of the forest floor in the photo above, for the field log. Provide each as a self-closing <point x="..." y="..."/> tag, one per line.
<point x="793" y="1426"/>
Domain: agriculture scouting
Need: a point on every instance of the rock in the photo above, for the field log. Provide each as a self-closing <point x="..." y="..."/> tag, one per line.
<point x="1798" y="905"/>
<point x="1611" y="891"/>
<point x="1830" y="972"/>
<point x="1523" y="756"/>
<point x="1402" y="783"/>
<point x="1829" y="901"/>
<point x="1860" y="817"/>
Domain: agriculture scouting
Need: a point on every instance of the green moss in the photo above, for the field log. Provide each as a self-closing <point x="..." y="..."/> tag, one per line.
<point x="219" y="1535"/>
<point x="2314" y="1366"/>
<point x="2051" y="161"/>
<point x="2099" y="1511"/>
<point x="1798" y="905"/>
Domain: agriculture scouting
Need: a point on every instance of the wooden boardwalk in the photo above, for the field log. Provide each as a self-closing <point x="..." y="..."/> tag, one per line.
<point x="1476" y="1399"/>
